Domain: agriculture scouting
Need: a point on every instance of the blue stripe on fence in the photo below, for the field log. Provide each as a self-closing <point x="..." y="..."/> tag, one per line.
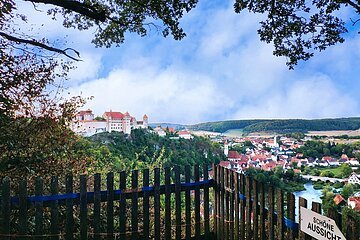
<point x="290" y="224"/>
<point x="34" y="199"/>
<point x="242" y="197"/>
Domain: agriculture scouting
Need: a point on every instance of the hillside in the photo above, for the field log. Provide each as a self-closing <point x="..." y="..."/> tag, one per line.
<point x="281" y="126"/>
<point x="142" y="149"/>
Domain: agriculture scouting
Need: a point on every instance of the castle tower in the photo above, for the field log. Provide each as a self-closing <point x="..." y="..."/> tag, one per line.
<point x="226" y="148"/>
<point x="145" y="121"/>
<point x="126" y="123"/>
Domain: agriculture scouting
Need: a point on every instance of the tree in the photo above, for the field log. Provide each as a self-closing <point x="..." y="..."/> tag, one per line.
<point x="34" y="118"/>
<point x="111" y="20"/>
<point x="347" y="191"/>
<point x="299" y="28"/>
<point x="33" y="122"/>
<point x="345" y="170"/>
<point x="296" y="28"/>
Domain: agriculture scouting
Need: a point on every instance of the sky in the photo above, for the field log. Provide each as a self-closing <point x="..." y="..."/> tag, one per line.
<point x="219" y="71"/>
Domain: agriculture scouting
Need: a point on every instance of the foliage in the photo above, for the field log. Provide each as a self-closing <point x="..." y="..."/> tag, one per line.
<point x="319" y="149"/>
<point x="111" y="20"/>
<point x="33" y="121"/>
<point x="299" y="28"/>
<point x="327" y="173"/>
<point x="143" y="149"/>
<point x="347" y="191"/>
<point x="288" y="181"/>
<point x="288" y="126"/>
<point x="34" y="117"/>
<point x="328" y="199"/>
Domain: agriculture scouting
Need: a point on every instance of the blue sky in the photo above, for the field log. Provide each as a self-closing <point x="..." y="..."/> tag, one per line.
<point x="220" y="71"/>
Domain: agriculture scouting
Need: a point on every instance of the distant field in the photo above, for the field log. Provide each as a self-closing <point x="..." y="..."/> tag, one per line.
<point x="233" y="133"/>
<point x="334" y="133"/>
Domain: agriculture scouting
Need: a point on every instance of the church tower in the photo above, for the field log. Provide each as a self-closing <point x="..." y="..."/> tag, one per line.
<point x="226" y="148"/>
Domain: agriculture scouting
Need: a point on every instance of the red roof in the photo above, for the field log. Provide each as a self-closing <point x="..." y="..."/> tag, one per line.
<point x="357" y="202"/>
<point x="338" y="199"/>
<point x="84" y="112"/>
<point x="260" y="157"/>
<point x="114" y="115"/>
<point x="224" y="164"/>
<point x="234" y="155"/>
<point x="183" y="132"/>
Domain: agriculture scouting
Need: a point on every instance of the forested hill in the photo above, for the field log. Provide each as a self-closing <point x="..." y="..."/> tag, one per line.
<point x="143" y="149"/>
<point x="281" y="126"/>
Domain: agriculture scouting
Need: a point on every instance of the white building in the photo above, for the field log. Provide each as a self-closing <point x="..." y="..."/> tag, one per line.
<point x="86" y="125"/>
<point x="185" y="134"/>
<point x="353" y="178"/>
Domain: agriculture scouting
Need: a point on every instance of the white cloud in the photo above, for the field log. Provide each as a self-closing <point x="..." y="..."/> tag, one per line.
<point x="164" y="94"/>
<point x="86" y="69"/>
<point x="316" y="97"/>
<point x="220" y="71"/>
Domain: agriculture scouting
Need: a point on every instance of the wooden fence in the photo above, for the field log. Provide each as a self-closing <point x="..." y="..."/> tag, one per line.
<point x="154" y="206"/>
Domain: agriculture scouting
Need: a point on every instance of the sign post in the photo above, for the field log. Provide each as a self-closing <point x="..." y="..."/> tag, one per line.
<point x="319" y="226"/>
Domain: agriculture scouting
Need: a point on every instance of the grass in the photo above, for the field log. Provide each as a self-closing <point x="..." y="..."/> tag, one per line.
<point x="335" y="170"/>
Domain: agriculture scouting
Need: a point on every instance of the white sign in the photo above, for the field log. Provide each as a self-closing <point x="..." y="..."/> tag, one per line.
<point x="319" y="226"/>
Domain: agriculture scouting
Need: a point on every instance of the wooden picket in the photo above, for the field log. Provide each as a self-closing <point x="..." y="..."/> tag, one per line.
<point x="175" y="206"/>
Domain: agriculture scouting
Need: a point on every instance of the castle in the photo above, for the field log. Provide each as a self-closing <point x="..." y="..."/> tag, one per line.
<point x="86" y="124"/>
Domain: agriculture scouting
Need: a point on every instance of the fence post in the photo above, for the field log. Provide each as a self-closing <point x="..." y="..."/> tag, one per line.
<point x="242" y="206"/>
<point x="122" y="202"/>
<point x="97" y="199"/>
<point x="333" y="214"/>
<point x="226" y="204"/>
<point x="167" y="204"/>
<point x="39" y="207"/>
<point x="237" y="209"/>
<point x="177" y="203"/>
<point x="206" y="203"/>
<point x="262" y="210"/>
<point x="146" y="227"/>
<point x="222" y="203"/>
<point x="218" y="197"/>
<point x="232" y="193"/>
<point x="255" y="210"/>
<point x="157" y="202"/>
<point x="197" y="202"/>
<point x="316" y="207"/>
<point x="54" y="188"/>
<point x="280" y="214"/>
<point x="248" y="208"/>
<point x="291" y="213"/>
<point x="187" y="203"/>
<point x="5" y="207"/>
<point x="302" y="235"/>
<point x="69" y="226"/>
<point x="23" y="205"/>
<point x="110" y="205"/>
<point x="83" y="208"/>
<point x="271" y="213"/>
<point x="352" y="230"/>
<point x="134" y="203"/>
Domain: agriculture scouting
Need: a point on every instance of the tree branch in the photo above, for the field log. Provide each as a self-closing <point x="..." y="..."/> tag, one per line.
<point x="41" y="45"/>
<point x="354" y="5"/>
<point x="75" y="6"/>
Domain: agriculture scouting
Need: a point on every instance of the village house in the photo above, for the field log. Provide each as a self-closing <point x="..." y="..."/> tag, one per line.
<point x="185" y="134"/>
<point x="353" y="178"/>
<point x="354" y="203"/>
